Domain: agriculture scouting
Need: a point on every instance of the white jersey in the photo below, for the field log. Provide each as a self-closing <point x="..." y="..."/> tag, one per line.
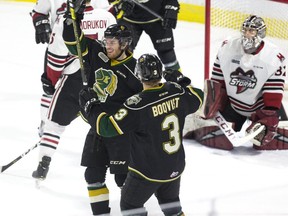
<point x="251" y="81"/>
<point x="50" y="7"/>
<point x="59" y="61"/>
<point x="95" y="23"/>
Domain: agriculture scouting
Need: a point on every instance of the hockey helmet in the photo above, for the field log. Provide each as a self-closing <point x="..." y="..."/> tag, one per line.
<point x="120" y="32"/>
<point x="148" y="67"/>
<point x="257" y="28"/>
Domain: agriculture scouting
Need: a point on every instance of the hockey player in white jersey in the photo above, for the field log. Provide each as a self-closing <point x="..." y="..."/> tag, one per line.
<point x="247" y="81"/>
<point x="62" y="80"/>
<point x="44" y="15"/>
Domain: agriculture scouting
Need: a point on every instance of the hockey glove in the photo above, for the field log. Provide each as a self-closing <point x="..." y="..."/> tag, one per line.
<point x="171" y="14"/>
<point x="42" y="27"/>
<point x="172" y="75"/>
<point x="87" y="99"/>
<point x="270" y="119"/>
<point x="127" y="6"/>
<point x="79" y="8"/>
<point x="176" y="76"/>
<point x="47" y="86"/>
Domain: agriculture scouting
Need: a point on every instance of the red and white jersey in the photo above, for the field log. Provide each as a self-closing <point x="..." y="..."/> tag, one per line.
<point x="50" y="7"/>
<point x="95" y="23"/>
<point x="251" y="81"/>
<point x="59" y="61"/>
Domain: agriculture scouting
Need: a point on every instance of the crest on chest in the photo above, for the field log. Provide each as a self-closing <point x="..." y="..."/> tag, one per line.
<point x="243" y="80"/>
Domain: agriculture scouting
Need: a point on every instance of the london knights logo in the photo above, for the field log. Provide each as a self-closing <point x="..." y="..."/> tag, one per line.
<point x="105" y="83"/>
<point x="243" y="80"/>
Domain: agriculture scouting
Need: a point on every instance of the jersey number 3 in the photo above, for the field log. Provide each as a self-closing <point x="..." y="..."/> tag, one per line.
<point x="171" y="124"/>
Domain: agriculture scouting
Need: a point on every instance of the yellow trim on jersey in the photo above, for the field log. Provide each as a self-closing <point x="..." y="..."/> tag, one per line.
<point x="195" y="93"/>
<point x="141" y="22"/>
<point x="98" y="122"/>
<point x="82" y="116"/>
<point x="75" y="42"/>
<point x="154" y="88"/>
<point x="118" y="129"/>
<point x="116" y="62"/>
<point x="150" y="179"/>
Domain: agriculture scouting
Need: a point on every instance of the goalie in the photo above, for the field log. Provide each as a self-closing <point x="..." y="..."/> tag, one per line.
<point x="247" y="82"/>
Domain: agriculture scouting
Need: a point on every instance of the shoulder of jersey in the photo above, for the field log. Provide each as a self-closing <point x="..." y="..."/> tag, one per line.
<point x="145" y="99"/>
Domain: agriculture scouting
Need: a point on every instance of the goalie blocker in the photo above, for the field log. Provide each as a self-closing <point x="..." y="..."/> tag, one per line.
<point x="208" y="133"/>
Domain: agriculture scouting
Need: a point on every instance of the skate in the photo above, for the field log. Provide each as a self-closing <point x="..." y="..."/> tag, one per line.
<point x="42" y="169"/>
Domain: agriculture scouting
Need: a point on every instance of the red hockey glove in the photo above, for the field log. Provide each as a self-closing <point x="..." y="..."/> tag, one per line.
<point x="270" y="119"/>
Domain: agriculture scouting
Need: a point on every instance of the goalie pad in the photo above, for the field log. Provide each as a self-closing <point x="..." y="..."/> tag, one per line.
<point x="215" y="98"/>
<point x="210" y="136"/>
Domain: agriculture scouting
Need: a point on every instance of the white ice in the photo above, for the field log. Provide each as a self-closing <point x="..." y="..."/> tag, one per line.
<point x="215" y="183"/>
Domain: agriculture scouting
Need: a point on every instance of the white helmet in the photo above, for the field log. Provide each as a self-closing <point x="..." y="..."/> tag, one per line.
<point x="253" y="23"/>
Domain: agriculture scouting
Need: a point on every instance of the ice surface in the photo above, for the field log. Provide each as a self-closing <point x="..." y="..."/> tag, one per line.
<point x="215" y="183"/>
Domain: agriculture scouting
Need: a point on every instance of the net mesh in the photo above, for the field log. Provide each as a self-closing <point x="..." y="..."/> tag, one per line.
<point x="230" y="14"/>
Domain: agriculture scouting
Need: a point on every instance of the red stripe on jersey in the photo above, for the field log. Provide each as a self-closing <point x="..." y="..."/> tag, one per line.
<point x="50" y="140"/>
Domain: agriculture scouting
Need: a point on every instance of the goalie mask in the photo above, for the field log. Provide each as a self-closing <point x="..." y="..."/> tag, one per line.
<point x="253" y="31"/>
<point x="149" y="67"/>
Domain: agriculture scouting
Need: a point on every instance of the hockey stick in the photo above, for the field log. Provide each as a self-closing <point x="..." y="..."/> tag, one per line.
<point x="3" y="168"/>
<point x="121" y="13"/>
<point x="231" y="134"/>
<point x="78" y="46"/>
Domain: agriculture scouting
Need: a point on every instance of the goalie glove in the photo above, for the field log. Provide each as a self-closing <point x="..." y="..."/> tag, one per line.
<point x="268" y="118"/>
<point x="87" y="99"/>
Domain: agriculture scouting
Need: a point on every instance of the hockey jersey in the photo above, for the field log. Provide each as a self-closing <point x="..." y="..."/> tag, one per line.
<point x="155" y="119"/>
<point x="116" y="79"/>
<point x="251" y="81"/>
<point x="59" y="61"/>
<point x="50" y="7"/>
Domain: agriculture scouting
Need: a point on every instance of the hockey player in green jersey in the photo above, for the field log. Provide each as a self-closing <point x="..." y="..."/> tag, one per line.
<point x="155" y="119"/>
<point x="112" y="75"/>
